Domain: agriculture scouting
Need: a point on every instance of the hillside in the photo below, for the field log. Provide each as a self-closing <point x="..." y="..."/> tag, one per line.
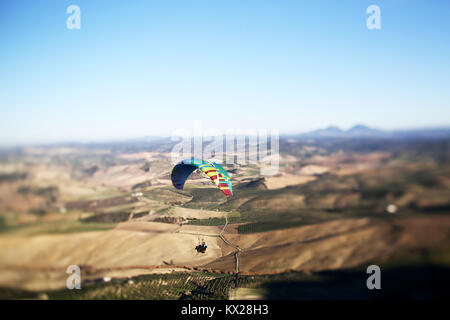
<point x="335" y="205"/>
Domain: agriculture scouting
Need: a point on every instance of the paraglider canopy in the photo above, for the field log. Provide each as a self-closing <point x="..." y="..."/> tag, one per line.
<point x="213" y="170"/>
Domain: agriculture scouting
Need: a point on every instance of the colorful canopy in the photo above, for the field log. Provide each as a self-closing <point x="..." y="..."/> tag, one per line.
<point x="213" y="170"/>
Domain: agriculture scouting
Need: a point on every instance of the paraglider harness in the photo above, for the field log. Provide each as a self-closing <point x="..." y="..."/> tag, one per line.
<point x="201" y="247"/>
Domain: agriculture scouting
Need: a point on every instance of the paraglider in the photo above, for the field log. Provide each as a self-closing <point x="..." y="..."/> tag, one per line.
<point x="214" y="171"/>
<point x="201" y="248"/>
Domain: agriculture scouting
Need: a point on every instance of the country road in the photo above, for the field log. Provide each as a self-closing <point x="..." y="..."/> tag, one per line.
<point x="220" y="235"/>
<point x="236" y="254"/>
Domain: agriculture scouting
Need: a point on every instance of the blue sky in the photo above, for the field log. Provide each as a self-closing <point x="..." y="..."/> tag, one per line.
<point x="140" y="68"/>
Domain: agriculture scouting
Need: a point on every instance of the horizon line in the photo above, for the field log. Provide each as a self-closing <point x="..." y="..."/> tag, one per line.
<point x="157" y="137"/>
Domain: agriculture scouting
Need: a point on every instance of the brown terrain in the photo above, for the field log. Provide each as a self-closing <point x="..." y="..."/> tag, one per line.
<point x="119" y="216"/>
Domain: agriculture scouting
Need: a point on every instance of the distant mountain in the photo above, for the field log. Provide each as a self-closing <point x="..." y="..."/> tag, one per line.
<point x="357" y="131"/>
<point x="331" y="131"/>
<point x="362" y="131"/>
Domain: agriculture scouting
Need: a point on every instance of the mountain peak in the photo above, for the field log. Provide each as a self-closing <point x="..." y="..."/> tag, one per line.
<point x="356" y="131"/>
<point x="332" y="129"/>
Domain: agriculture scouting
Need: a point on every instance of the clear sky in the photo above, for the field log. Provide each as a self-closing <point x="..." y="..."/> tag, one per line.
<point x="140" y="68"/>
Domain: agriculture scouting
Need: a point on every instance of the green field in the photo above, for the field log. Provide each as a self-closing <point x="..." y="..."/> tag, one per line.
<point x="430" y="282"/>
